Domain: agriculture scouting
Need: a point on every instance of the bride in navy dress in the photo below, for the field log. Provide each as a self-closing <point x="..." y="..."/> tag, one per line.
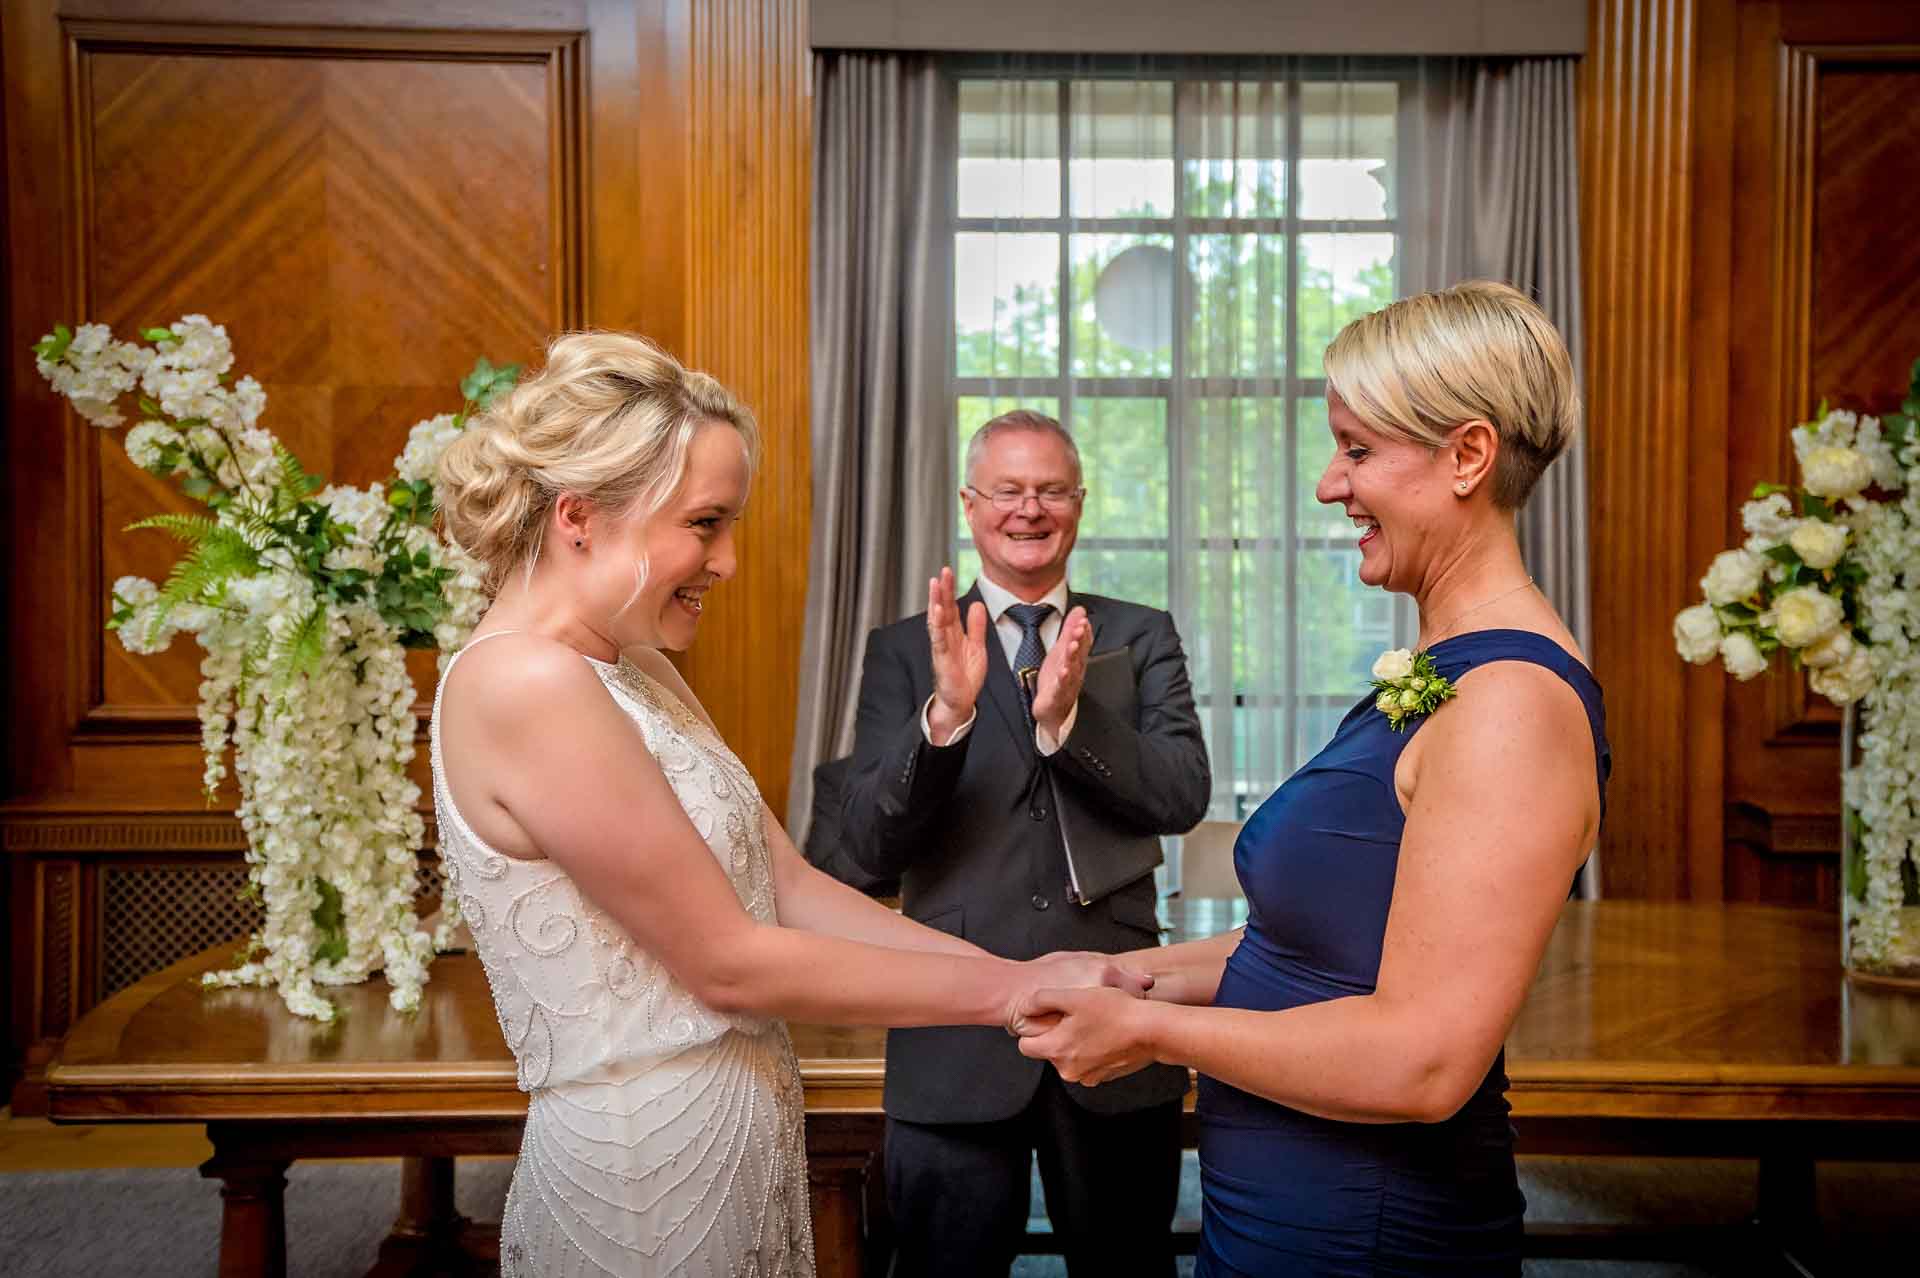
<point x="1403" y="884"/>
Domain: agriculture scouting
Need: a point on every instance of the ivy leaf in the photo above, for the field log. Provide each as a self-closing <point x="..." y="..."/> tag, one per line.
<point x="476" y="383"/>
<point x="158" y="334"/>
<point x="54" y="346"/>
<point x="1817" y="507"/>
<point x="1762" y="491"/>
<point x="1783" y="554"/>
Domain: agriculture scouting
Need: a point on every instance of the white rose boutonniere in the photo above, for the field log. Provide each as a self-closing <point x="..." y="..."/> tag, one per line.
<point x="1408" y="686"/>
<point x="1394" y="663"/>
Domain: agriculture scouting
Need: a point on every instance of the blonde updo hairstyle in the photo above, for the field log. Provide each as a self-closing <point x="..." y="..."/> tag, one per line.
<point x="610" y="418"/>
<point x="1481" y="350"/>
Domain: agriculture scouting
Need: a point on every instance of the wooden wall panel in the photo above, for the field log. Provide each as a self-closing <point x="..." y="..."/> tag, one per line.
<point x="747" y="290"/>
<point x="368" y="195"/>
<point x="1741" y="165"/>
<point x="1637" y="92"/>
<point x="1837" y="284"/>
<point x="408" y="206"/>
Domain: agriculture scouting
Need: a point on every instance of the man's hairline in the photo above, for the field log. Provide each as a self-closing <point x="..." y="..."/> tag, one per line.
<point x="1073" y="451"/>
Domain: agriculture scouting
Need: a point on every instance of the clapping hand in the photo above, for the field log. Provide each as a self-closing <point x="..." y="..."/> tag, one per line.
<point x="1057" y="688"/>
<point x="959" y="657"/>
<point x="1092" y="1036"/>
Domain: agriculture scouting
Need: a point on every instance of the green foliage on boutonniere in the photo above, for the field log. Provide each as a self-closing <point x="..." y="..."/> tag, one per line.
<point x="1407" y="685"/>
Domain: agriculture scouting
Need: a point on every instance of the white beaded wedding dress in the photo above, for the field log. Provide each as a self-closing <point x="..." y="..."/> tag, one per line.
<point x="662" y="1137"/>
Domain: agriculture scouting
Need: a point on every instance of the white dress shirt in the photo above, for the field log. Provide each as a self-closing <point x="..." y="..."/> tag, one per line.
<point x="1009" y="633"/>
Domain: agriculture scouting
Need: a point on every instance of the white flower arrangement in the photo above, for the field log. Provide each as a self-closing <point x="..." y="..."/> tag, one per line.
<point x="1834" y="582"/>
<point x="304" y="599"/>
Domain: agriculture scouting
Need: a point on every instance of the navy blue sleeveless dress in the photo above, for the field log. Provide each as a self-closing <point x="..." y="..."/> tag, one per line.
<point x="1288" y="1193"/>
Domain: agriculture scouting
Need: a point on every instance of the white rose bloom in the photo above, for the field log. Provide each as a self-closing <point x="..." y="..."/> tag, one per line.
<point x="1395" y="663"/>
<point x="1733" y="576"/>
<point x="1770" y="520"/>
<point x="1742" y="655"/>
<point x="1805" y="615"/>
<point x="1829" y="651"/>
<point x="1409" y="698"/>
<point x="1386" y="702"/>
<point x="1818" y="543"/>
<point x="1835" y="473"/>
<point x="1845" y="683"/>
<point x="1696" y="633"/>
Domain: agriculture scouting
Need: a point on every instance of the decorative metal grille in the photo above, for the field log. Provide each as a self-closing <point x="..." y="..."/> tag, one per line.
<point x="155" y="915"/>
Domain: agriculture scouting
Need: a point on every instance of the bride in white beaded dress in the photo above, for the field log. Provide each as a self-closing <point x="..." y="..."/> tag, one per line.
<point x="643" y="920"/>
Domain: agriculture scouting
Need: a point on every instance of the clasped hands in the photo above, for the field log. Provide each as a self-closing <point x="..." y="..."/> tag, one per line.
<point x="1085" y="1013"/>
<point x="959" y="651"/>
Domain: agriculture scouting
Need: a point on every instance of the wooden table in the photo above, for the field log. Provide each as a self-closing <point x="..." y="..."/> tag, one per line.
<point x="1653" y="1029"/>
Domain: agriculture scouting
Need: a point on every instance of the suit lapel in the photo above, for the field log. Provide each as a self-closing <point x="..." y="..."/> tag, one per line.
<point x="1003" y="694"/>
<point x="1075" y="600"/>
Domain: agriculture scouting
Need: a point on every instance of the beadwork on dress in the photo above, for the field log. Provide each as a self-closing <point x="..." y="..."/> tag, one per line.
<point x="662" y="1137"/>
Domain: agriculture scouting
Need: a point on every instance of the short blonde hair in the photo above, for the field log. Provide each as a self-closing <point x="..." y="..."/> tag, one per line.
<point x="609" y="418"/>
<point x="1477" y="351"/>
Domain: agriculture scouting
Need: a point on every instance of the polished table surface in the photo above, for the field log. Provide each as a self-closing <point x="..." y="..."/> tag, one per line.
<point x="1640" y="1010"/>
<point x="1651" y="1029"/>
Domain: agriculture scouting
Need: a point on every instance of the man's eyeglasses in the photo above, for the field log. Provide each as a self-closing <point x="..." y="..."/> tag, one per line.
<point x="1053" y="499"/>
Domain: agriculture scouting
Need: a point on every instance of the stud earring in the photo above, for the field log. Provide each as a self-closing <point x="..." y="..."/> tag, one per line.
<point x="579" y="543"/>
<point x="1462" y="485"/>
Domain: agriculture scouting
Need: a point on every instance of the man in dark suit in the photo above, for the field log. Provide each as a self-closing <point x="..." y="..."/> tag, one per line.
<point x="1026" y="825"/>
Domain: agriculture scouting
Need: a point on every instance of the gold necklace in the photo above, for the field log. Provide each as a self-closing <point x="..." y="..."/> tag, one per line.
<point x="1448" y="628"/>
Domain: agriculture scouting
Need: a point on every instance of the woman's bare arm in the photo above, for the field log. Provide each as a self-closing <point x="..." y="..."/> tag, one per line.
<point x="1481" y="881"/>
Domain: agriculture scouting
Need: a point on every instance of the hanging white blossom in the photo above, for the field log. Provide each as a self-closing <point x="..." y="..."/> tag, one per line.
<point x="304" y="601"/>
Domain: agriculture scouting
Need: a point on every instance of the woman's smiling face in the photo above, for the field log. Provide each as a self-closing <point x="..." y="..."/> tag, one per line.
<point x="1395" y="492"/>
<point x="679" y="551"/>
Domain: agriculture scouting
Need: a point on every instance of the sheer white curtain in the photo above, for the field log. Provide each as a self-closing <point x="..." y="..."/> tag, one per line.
<point x="1157" y="252"/>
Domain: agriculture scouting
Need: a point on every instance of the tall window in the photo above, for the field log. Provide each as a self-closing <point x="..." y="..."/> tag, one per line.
<point x="1159" y="260"/>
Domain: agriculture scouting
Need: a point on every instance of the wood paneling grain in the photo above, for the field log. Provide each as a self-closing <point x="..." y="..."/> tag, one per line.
<point x="1638" y="105"/>
<point x="1828" y="283"/>
<point x="363" y="226"/>
<point x="1739" y="159"/>
<point x="367" y="195"/>
<point x="746" y="294"/>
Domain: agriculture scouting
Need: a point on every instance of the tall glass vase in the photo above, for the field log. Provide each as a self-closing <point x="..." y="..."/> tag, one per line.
<point x="1879" y="912"/>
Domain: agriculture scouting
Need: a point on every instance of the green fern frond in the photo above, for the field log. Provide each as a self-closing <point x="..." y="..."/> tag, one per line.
<point x="255" y="525"/>
<point x="296" y="485"/>
<point x="191" y="529"/>
<point x="300" y="650"/>
<point x="221" y="556"/>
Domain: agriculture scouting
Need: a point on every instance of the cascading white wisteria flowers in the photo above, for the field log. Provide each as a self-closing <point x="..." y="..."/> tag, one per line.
<point x="304" y="601"/>
<point x="1830" y="574"/>
<point x="1884" y="790"/>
